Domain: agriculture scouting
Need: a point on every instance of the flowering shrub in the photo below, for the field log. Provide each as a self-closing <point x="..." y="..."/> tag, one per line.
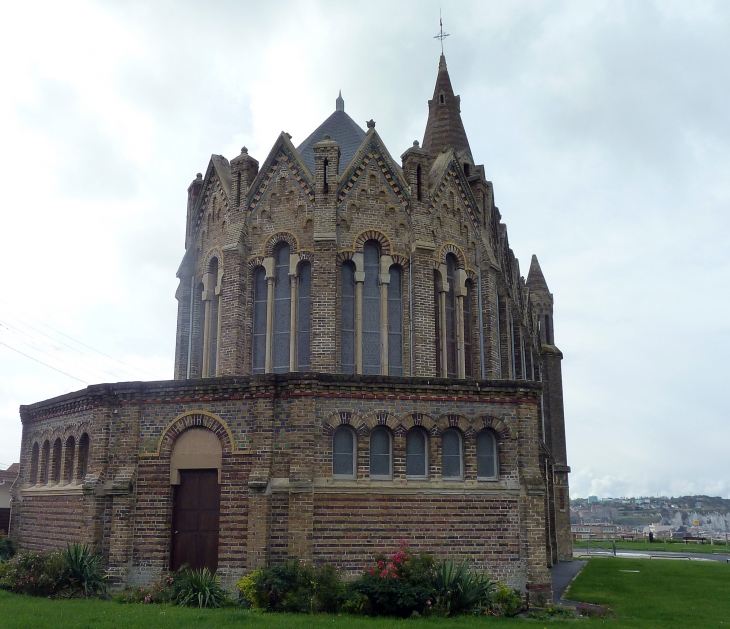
<point x="397" y="585"/>
<point x="34" y="573"/>
<point x="160" y="591"/>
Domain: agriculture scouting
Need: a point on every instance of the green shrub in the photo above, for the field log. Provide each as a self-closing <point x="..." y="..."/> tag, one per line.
<point x="506" y="601"/>
<point x="83" y="570"/>
<point x="329" y="590"/>
<point x="459" y="590"/>
<point x="285" y="588"/>
<point x="200" y="588"/>
<point x="293" y="587"/>
<point x="34" y="573"/>
<point x="7" y="548"/>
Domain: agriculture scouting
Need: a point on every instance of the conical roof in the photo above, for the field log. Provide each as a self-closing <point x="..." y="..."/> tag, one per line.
<point x="444" y="128"/>
<point x="535" y="279"/>
<point x="342" y="129"/>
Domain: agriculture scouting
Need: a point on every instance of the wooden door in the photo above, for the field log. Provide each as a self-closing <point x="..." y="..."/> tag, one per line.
<point x="195" y="518"/>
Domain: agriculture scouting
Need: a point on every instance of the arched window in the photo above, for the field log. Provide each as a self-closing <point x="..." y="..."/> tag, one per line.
<point x="416" y="453"/>
<point x="451" y="369"/>
<point x="486" y="455"/>
<point x="344" y="453"/>
<point x="371" y="310"/>
<point x="548" y="336"/>
<point x="35" y="452"/>
<point x="437" y="318"/>
<point x="348" y="317"/>
<point x="68" y="460"/>
<point x="282" y="309"/>
<point x="468" y="323"/>
<point x="498" y="315"/>
<point x="304" y="309"/>
<point x="259" y="320"/>
<point x="200" y="334"/>
<point x="395" y="322"/>
<point x="56" y="461"/>
<point x="45" y="462"/>
<point x="512" y="346"/>
<point x="213" y="319"/>
<point x="381" y="459"/>
<point x="451" y="455"/>
<point x="83" y="456"/>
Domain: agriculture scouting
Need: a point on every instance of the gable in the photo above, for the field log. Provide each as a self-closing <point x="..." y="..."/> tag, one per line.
<point x="374" y="154"/>
<point x="281" y="157"/>
<point x="453" y="178"/>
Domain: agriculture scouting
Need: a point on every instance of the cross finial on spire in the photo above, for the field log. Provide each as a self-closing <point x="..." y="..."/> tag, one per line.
<point x="441" y="34"/>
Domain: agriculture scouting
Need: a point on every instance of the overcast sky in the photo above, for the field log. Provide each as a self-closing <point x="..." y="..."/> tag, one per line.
<point x="605" y="127"/>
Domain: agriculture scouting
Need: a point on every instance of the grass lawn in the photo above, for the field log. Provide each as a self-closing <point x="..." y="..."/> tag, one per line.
<point x="662" y="594"/>
<point x="672" y="547"/>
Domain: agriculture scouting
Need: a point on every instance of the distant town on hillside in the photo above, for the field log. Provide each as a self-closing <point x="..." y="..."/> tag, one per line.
<point x="697" y="518"/>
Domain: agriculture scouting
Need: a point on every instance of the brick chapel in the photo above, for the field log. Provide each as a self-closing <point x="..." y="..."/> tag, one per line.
<point x="358" y="360"/>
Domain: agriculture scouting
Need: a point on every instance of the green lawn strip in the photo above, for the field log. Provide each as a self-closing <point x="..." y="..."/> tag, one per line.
<point x="657" y="592"/>
<point x="656" y="546"/>
<point x="24" y="612"/>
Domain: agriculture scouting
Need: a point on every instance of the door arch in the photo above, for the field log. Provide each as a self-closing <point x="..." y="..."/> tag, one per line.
<point x="195" y="467"/>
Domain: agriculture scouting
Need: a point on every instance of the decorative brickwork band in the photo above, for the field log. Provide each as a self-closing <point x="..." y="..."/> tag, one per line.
<point x="195" y="419"/>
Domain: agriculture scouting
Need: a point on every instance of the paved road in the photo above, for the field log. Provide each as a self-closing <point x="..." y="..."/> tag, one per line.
<point x="563" y="573"/>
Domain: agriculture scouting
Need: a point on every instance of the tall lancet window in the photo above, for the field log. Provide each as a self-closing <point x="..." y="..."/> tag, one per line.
<point x="468" y="323"/>
<point x="395" y="322"/>
<point x="371" y="310"/>
<point x="282" y="309"/>
<point x="214" y="320"/>
<point x="304" y="309"/>
<point x="451" y="367"/>
<point x="259" y="320"/>
<point x="348" y="317"/>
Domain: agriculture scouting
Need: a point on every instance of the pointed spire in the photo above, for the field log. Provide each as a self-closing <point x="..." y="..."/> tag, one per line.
<point x="444" y="128"/>
<point x="340" y="103"/>
<point x="535" y="279"/>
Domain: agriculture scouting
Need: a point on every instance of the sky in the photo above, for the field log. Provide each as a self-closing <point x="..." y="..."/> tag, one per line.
<point x="604" y="127"/>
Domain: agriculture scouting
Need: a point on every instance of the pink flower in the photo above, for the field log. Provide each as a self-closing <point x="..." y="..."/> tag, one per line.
<point x="381" y="563"/>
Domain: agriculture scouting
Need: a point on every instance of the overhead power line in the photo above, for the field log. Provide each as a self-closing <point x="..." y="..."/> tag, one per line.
<point x="33" y="345"/>
<point x="93" y="349"/>
<point x="44" y="364"/>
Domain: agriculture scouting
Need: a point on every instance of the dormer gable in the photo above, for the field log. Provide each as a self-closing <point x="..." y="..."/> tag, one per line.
<point x="447" y="171"/>
<point x="282" y="155"/>
<point x="217" y="180"/>
<point x="373" y="152"/>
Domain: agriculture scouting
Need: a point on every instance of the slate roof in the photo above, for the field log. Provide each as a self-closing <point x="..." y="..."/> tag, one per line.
<point x="342" y="129"/>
